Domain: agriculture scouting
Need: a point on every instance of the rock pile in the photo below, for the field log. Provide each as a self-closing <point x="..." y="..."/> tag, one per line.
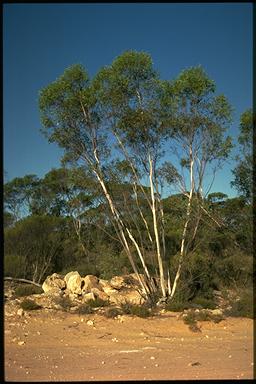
<point x="118" y="290"/>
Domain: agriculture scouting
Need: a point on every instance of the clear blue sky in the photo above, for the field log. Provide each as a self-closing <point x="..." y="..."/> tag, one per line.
<point x="41" y="40"/>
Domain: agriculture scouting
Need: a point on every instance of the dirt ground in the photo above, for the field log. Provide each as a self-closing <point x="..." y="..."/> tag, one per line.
<point x="58" y="346"/>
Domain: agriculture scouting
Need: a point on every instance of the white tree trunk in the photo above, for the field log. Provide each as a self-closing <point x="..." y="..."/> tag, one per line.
<point x="158" y="250"/>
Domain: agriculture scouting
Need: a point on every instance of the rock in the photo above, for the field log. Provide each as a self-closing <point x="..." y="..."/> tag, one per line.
<point x="107" y="288"/>
<point x="54" y="284"/>
<point x="90" y="322"/>
<point x="73" y="282"/>
<point x="21" y="342"/>
<point x="89" y="282"/>
<point x="100" y="294"/>
<point x="20" y="312"/>
<point x="88" y="296"/>
<point x="128" y="295"/>
<point x="118" y="282"/>
<point x="217" y="312"/>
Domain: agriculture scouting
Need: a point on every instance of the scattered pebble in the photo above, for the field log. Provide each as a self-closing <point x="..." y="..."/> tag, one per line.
<point x="20" y="312"/>
<point x="229" y="356"/>
<point x="21" y="342"/>
<point x="103" y="362"/>
<point x="90" y="322"/>
<point x="115" y="339"/>
<point x="207" y="337"/>
<point x="39" y="333"/>
<point x="156" y="365"/>
<point x="152" y="358"/>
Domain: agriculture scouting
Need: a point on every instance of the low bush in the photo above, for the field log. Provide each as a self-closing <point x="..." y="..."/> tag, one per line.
<point x="64" y="302"/>
<point x="84" y="309"/>
<point x="27" y="290"/>
<point x="95" y="303"/>
<point x="204" y="303"/>
<point x="136" y="310"/>
<point x="113" y="312"/>
<point x="177" y="306"/>
<point x="243" y="307"/>
<point x="29" y="305"/>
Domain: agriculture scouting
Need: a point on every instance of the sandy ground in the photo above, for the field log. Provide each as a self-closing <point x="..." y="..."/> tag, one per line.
<point x="59" y="346"/>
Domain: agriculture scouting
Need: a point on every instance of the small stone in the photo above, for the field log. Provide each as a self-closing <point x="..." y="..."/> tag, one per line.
<point x="21" y="342"/>
<point x="103" y="362"/>
<point x="90" y="322"/>
<point x="207" y="337"/>
<point x="82" y="320"/>
<point x="20" y="312"/>
<point x="156" y="365"/>
<point x="152" y="358"/>
<point x="39" y="333"/>
<point x="229" y="356"/>
<point x="182" y="339"/>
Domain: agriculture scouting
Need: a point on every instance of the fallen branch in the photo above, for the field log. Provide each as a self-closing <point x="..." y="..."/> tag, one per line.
<point x="23" y="281"/>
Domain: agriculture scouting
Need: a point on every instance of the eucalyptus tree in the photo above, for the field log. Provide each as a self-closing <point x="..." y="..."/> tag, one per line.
<point x="243" y="172"/>
<point x="19" y="194"/>
<point x="201" y="145"/>
<point x="118" y="113"/>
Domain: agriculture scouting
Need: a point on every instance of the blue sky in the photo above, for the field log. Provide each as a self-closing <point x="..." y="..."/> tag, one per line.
<point x="41" y="40"/>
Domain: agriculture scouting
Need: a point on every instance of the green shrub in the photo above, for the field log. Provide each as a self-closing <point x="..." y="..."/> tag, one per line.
<point x="204" y="303"/>
<point x="136" y="310"/>
<point x="176" y="306"/>
<point x="113" y="312"/>
<point x="29" y="305"/>
<point x="64" y="302"/>
<point x="97" y="302"/>
<point x="84" y="309"/>
<point x="242" y="307"/>
<point x="27" y="290"/>
<point x="191" y="321"/>
<point x="14" y="265"/>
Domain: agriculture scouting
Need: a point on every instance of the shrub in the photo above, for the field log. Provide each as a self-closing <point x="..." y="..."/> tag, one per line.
<point x="29" y="305"/>
<point x="97" y="302"/>
<point x="191" y="321"/>
<point x="176" y="306"/>
<point x="14" y="265"/>
<point x="27" y="290"/>
<point x="113" y="312"/>
<point x="136" y="310"/>
<point x="64" y="302"/>
<point x="84" y="309"/>
<point x="242" y="307"/>
<point x="204" y="303"/>
<point x="193" y="317"/>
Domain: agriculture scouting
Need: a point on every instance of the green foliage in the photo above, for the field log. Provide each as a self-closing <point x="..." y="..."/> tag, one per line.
<point x="243" y="306"/>
<point x="204" y="303"/>
<point x="14" y="265"/>
<point x="111" y="313"/>
<point x="27" y="290"/>
<point x="192" y="317"/>
<point x="29" y="305"/>
<point x="84" y="309"/>
<point x="135" y="310"/>
<point x="177" y="306"/>
<point x="64" y="301"/>
<point x="243" y="172"/>
<point x="97" y="302"/>
<point x="37" y="242"/>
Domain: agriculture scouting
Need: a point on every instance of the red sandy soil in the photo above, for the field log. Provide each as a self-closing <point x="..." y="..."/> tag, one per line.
<point x="58" y="346"/>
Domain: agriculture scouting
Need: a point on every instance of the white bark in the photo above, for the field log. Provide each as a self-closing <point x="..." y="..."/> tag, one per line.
<point x="159" y="258"/>
<point x="184" y="234"/>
